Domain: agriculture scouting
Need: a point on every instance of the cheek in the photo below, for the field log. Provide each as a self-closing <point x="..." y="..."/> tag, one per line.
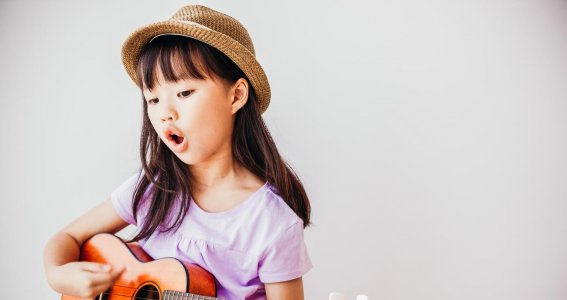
<point x="154" y="121"/>
<point x="211" y="126"/>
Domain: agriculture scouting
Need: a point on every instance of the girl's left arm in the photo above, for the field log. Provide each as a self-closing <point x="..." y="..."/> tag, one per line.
<point x="285" y="290"/>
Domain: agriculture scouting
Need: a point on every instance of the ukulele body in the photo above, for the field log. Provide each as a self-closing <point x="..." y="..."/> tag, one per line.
<point x="144" y="278"/>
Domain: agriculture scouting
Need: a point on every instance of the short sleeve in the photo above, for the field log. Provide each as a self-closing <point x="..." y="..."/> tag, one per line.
<point x="286" y="257"/>
<point x="122" y="198"/>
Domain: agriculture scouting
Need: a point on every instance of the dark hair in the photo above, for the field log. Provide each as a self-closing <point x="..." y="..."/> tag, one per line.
<point x="252" y="144"/>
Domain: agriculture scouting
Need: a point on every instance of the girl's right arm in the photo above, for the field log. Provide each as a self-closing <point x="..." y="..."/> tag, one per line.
<point x="65" y="274"/>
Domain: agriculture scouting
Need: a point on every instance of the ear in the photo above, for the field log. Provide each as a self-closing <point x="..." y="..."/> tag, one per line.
<point x="239" y="94"/>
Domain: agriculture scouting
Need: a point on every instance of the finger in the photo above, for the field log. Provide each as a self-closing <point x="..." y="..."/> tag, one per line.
<point x="102" y="278"/>
<point x="117" y="271"/>
<point x="93" y="283"/>
<point x="95" y="267"/>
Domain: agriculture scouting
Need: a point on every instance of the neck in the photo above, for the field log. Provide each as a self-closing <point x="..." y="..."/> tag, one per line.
<point x="218" y="171"/>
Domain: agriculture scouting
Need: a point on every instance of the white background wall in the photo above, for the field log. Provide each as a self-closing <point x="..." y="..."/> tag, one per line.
<point x="431" y="136"/>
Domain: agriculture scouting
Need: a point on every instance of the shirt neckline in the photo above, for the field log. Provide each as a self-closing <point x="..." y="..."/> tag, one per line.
<point x="232" y="211"/>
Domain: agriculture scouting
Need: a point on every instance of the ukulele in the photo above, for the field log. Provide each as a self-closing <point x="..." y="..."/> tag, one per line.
<point x="144" y="277"/>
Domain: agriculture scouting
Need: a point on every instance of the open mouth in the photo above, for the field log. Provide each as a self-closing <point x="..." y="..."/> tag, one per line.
<point x="177" y="139"/>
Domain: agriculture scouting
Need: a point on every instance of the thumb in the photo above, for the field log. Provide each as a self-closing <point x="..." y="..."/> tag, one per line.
<point x="116" y="271"/>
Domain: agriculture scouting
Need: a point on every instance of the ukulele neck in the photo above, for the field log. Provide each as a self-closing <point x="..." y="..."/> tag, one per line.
<point x="175" y="295"/>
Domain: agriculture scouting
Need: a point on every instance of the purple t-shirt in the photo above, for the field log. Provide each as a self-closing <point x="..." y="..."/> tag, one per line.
<point x="258" y="241"/>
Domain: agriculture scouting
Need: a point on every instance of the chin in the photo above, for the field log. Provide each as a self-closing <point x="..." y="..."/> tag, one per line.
<point x="187" y="160"/>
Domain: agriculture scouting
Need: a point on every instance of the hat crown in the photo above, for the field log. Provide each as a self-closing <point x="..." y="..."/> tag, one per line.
<point x="216" y="21"/>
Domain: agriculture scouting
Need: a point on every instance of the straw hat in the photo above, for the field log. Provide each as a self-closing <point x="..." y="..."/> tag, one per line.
<point x="211" y="27"/>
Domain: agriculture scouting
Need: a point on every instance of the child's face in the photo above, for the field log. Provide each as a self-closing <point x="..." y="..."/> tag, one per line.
<point x="201" y="111"/>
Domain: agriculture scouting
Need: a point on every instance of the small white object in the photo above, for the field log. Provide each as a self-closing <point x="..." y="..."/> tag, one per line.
<point x="361" y="297"/>
<point x="337" y="296"/>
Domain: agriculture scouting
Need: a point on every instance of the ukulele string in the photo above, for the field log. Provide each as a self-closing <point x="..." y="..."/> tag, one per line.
<point x="126" y="296"/>
<point x="124" y="287"/>
<point x="110" y="293"/>
<point x="139" y="298"/>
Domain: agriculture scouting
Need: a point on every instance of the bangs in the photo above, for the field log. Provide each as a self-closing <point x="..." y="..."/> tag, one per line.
<point x="177" y="57"/>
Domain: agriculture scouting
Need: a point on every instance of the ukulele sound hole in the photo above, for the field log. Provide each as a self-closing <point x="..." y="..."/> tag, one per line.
<point x="148" y="291"/>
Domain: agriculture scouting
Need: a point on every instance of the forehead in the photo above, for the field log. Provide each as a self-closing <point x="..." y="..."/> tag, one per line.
<point x="160" y="81"/>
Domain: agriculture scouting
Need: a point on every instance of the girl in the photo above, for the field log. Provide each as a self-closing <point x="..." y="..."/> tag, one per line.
<point x="212" y="188"/>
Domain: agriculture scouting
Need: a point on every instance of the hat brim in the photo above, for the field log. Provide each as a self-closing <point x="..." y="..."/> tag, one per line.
<point x="241" y="56"/>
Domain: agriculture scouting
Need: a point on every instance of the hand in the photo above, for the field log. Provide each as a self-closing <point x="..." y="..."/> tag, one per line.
<point x="83" y="279"/>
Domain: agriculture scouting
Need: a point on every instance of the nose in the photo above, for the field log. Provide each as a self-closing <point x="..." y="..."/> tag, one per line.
<point x="169" y="112"/>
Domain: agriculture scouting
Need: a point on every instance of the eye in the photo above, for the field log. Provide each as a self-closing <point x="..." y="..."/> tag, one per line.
<point x="153" y="101"/>
<point x="185" y="93"/>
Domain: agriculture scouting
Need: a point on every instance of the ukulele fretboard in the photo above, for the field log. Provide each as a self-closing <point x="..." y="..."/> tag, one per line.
<point x="175" y="295"/>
